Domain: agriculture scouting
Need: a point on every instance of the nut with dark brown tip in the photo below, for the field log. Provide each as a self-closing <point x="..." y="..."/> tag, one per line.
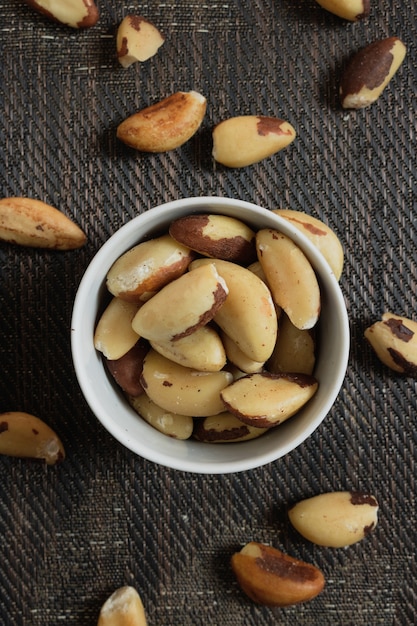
<point x="369" y="72"/>
<point x="335" y="519"/>
<point x="272" y="578"/>
<point x="394" y="340"/>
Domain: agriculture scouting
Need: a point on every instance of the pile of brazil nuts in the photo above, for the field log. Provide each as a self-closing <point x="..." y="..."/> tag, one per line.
<point x="210" y="330"/>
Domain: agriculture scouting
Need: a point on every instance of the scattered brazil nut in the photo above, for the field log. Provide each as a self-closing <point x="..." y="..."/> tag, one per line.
<point x="33" y="223"/>
<point x="247" y="139"/>
<point x="123" y="608"/>
<point x="352" y="10"/>
<point x="272" y="578"/>
<point x="147" y="267"/>
<point x="137" y="40"/>
<point x="321" y="235"/>
<point x="166" y="125"/>
<point x="216" y="236"/>
<point x="74" y="13"/>
<point x="26" y="436"/>
<point x="335" y="519"/>
<point x="290" y="276"/>
<point x="369" y="71"/>
<point x="265" y="400"/>
<point x="394" y="340"/>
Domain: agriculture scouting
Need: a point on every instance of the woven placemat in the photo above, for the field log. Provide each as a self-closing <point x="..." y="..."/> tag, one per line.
<point x="70" y="535"/>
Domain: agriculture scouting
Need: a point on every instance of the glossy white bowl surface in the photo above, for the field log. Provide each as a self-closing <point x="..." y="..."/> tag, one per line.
<point x="112" y="410"/>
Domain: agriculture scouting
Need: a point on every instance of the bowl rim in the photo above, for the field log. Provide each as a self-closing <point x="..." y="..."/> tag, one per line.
<point x="100" y="264"/>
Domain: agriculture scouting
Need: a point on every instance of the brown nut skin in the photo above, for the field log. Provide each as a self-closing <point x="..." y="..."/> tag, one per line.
<point x="271" y="578"/>
<point x="335" y="519"/>
<point x="26" y="436"/>
<point x="123" y="608"/>
<point x="33" y="223"/>
<point x="351" y="10"/>
<point x="216" y="236"/>
<point x="147" y="267"/>
<point x="137" y="40"/>
<point x="127" y="370"/>
<point x="73" y="13"/>
<point x="247" y="139"/>
<point x="369" y="72"/>
<point x="394" y="340"/>
<point x="166" y="125"/>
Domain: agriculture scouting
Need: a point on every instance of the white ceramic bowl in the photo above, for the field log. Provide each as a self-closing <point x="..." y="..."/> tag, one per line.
<point x="108" y="404"/>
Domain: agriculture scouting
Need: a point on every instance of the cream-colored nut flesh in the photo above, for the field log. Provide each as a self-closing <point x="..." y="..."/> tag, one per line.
<point x="271" y="578"/>
<point x="33" y="223"/>
<point x="181" y="307"/>
<point x="74" y="13"/>
<point x="394" y="340"/>
<point x="179" y="389"/>
<point x="247" y="139"/>
<point x="224" y="428"/>
<point x="352" y="10"/>
<point x="137" y="40"/>
<point x="147" y="267"/>
<point x="265" y="400"/>
<point x="294" y="350"/>
<point x="239" y="358"/>
<point x="335" y="519"/>
<point x="26" y="436"/>
<point x="123" y="608"/>
<point x="216" y="236"/>
<point x="369" y="72"/>
<point x="165" y="125"/>
<point x="114" y="335"/>
<point x="168" y="423"/>
<point x="290" y="277"/>
<point x="248" y="314"/>
<point x="201" y="350"/>
<point x="321" y="235"/>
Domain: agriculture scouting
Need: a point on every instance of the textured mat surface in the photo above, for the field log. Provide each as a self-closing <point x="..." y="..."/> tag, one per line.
<point x="71" y="535"/>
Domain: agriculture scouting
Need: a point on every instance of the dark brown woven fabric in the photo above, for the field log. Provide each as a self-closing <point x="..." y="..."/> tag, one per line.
<point x="70" y="535"/>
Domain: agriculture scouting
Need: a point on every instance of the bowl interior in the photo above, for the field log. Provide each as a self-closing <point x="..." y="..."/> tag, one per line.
<point x="112" y="410"/>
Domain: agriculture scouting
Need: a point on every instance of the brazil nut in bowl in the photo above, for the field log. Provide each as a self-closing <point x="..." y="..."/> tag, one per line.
<point x="232" y="406"/>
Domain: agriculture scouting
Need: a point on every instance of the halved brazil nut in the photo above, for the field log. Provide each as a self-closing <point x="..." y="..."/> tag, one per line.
<point x="165" y="125"/>
<point x="181" y="389"/>
<point x="25" y="435"/>
<point x="394" y="340"/>
<point x="247" y="139"/>
<point x="369" y="71"/>
<point x="137" y="40"/>
<point x="265" y="400"/>
<point x="248" y="314"/>
<point x="321" y="235"/>
<point x="270" y="577"/>
<point x="181" y="307"/>
<point x="290" y="277"/>
<point x="335" y="519"/>
<point x="147" y="267"/>
<point x="217" y="236"/>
